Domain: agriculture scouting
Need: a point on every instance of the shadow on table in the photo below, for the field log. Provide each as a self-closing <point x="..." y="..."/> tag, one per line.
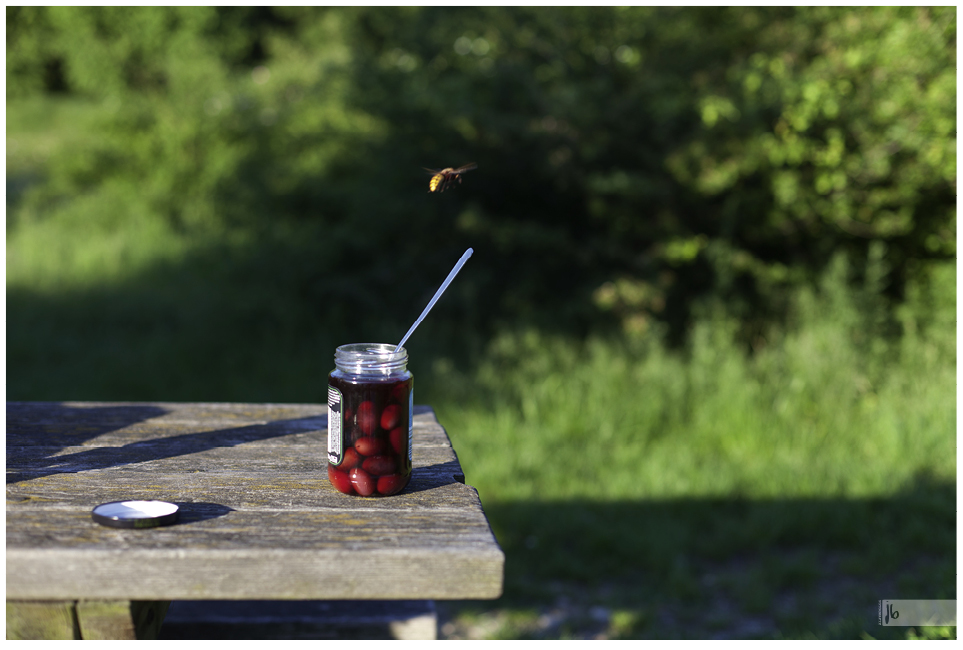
<point x="37" y="432"/>
<point x="59" y="425"/>
<point x="191" y="512"/>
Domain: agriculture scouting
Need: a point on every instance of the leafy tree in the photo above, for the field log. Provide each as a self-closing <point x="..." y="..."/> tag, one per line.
<point x="634" y="163"/>
<point x="838" y="133"/>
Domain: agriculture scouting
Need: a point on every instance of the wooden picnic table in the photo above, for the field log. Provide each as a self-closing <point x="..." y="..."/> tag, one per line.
<point x="258" y="517"/>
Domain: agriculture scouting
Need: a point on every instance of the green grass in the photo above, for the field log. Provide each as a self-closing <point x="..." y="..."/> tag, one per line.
<point x="808" y="416"/>
<point x="637" y="491"/>
<point x="809" y="480"/>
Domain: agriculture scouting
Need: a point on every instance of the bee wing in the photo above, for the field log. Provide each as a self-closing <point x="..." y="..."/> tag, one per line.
<point x="441" y="177"/>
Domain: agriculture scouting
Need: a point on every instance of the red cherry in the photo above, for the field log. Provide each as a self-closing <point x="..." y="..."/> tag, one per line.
<point x="400" y="393"/>
<point x="390" y="417"/>
<point x="379" y="465"/>
<point x="368" y="445"/>
<point x="367" y="417"/>
<point x="340" y="480"/>
<point x="391" y="483"/>
<point x="351" y="459"/>
<point x="399" y="440"/>
<point x="363" y="482"/>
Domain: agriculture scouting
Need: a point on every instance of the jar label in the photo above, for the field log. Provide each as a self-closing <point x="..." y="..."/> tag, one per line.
<point x="335" y="441"/>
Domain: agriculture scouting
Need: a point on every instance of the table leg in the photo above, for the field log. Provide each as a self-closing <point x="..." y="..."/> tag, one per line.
<point x="85" y="619"/>
<point x="27" y="619"/>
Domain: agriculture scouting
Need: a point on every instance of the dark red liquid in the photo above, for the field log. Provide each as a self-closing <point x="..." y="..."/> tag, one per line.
<point x="375" y="415"/>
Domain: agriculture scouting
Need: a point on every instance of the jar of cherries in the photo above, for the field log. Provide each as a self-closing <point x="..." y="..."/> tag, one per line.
<point x="369" y="420"/>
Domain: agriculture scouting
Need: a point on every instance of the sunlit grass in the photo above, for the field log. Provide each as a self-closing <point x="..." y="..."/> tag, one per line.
<point x="806" y="416"/>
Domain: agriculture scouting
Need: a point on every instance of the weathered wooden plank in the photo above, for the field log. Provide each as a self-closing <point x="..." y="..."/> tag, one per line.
<point x="332" y="574"/>
<point x="106" y="425"/>
<point x="85" y="619"/>
<point x="45" y="620"/>
<point x="257" y="484"/>
<point x="282" y="457"/>
<point x="111" y="414"/>
<point x="343" y="553"/>
<point x="259" y="519"/>
<point x="105" y="619"/>
<point x="163" y="435"/>
<point x="56" y="530"/>
<point x="292" y="453"/>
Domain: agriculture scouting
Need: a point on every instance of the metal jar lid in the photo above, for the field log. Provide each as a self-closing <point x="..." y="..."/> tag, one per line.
<point x="135" y="514"/>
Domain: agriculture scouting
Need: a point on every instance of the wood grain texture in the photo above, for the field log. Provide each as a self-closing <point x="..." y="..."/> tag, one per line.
<point x="55" y="620"/>
<point x="259" y="519"/>
<point x="85" y="619"/>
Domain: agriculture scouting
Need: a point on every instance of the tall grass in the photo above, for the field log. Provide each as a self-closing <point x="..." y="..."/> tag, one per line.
<point x="826" y="408"/>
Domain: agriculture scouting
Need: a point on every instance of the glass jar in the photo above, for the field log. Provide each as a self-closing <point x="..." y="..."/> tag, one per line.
<point x="370" y="420"/>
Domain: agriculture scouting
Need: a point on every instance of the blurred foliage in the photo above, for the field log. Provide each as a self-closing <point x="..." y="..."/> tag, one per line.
<point x="635" y="164"/>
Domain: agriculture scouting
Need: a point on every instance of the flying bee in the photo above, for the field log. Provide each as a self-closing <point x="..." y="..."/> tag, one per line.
<point x="442" y="178"/>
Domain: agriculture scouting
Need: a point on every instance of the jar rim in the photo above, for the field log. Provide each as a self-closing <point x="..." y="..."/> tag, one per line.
<point x="380" y="358"/>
